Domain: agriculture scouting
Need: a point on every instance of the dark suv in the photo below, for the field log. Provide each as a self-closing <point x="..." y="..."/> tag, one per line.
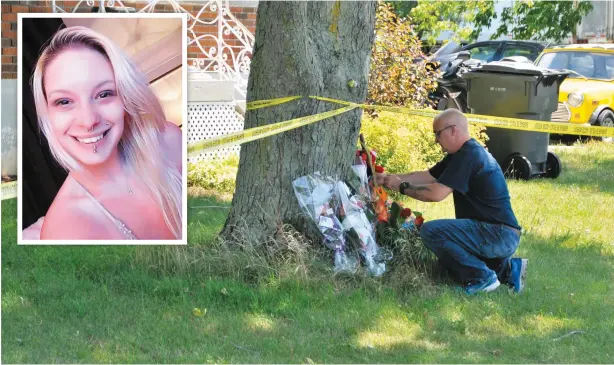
<point x="488" y="51"/>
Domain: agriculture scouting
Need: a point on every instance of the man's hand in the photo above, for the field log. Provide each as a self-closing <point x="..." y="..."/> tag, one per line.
<point x="391" y="182"/>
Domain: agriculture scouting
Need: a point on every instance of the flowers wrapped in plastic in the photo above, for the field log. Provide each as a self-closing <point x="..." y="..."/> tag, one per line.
<point x="344" y="214"/>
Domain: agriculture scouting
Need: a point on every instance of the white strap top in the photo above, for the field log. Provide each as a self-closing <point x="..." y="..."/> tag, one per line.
<point x="127" y="233"/>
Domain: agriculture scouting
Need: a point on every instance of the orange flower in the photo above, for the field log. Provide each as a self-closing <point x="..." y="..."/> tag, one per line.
<point x="380" y="205"/>
<point x="419" y="221"/>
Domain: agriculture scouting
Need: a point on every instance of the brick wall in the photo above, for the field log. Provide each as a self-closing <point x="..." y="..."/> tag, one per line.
<point x="10" y="9"/>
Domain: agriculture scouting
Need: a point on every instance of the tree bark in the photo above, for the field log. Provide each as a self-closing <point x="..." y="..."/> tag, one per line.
<point x="301" y="48"/>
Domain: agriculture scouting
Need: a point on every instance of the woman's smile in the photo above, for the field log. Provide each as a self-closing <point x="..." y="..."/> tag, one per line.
<point x="92" y="139"/>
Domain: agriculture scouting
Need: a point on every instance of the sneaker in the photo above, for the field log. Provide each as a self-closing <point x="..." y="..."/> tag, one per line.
<point x="487" y="285"/>
<point x="518" y="272"/>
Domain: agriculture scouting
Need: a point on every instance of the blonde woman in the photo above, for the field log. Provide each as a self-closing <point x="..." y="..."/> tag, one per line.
<point x="106" y="127"/>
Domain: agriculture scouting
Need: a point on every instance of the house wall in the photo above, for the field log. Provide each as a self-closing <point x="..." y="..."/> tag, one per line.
<point x="9" y="127"/>
<point x="244" y="11"/>
<point x="598" y="25"/>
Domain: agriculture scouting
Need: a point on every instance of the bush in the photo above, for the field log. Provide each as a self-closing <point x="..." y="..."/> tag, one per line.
<point x="406" y="143"/>
<point x="218" y="175"/>
<point x="399" y="74"/>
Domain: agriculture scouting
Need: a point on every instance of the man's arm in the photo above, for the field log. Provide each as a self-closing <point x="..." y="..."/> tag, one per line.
<point x="431" y="191"/>
<point x="417" y="178"/>
<point x="414" y="178"/>
<point x="434" y="192"/>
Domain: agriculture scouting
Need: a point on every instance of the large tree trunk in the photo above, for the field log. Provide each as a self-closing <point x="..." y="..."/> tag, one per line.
<point x="301" y="48"/>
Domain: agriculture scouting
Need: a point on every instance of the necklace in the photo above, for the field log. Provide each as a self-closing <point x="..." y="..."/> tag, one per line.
<point x="128" y="188"/>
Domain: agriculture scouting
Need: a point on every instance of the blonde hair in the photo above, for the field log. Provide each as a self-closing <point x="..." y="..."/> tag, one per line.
<point x="140" y="145"/>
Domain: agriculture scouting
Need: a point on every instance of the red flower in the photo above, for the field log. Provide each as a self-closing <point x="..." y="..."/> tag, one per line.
<point x="379" y="169"/>
<point x="419" y="221"/>
<point x="406" y="213"/>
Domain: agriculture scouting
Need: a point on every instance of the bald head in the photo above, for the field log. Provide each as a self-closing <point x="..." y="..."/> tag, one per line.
<point x="456" y="122"/>
<point x="452" y="117"/>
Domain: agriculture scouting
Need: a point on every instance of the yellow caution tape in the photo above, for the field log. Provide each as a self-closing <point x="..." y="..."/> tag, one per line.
<point x="496" y="122"/>
<point x="486" y="120"/>
<point x="8" y="190"/>
<point x="261" y="131"/>
<point x="271" y="102"/>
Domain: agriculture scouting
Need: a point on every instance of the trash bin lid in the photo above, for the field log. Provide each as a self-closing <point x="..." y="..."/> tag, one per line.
<point x="517" y="68"/>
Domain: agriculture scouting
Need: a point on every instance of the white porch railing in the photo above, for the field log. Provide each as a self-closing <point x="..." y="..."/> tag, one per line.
<point x="222" y="61"/>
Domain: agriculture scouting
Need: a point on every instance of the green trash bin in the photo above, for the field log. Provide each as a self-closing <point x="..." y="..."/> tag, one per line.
<point x="517" y="90"/>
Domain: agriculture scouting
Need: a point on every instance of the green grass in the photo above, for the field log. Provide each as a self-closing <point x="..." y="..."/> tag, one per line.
<point x="99" y="305"/>
<point x="206" y="215"/>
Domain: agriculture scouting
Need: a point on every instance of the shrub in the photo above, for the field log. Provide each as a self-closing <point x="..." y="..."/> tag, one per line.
<point x="399" y="74"/>
<point x="218" y="175"/>
<point x="406" y="143"/>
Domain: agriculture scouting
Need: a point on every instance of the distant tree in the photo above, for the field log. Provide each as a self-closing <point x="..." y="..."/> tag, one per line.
<point x="464" y="19"/>
<point x="543" y="20"/>
<point x="402" y="8"/>
<point x="525" y="19"/>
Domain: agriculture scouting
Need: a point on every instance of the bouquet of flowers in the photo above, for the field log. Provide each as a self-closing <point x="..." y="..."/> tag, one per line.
<point x="343" y="214"/>
<point x="401" y="235"/>
<point x="404" y="218"/>
<point x="398" y="228"/>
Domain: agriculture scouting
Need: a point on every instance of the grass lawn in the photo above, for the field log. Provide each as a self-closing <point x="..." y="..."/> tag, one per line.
<point x="98" y="304"/>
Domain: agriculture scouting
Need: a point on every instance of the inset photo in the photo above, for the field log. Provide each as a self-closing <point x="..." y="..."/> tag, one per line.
<point x="101" y="129"/>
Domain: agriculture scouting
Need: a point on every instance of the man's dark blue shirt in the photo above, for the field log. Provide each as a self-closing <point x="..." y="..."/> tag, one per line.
<point x="480" y="190"/>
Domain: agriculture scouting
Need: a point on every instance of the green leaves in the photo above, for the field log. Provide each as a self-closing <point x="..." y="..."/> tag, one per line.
<point x="528" y="19"/>
<point x="464" y="19"/>
<point x="397" y="76"/>
<point x="218" y="174"/>
<point x="543" y="20"/>
<point x="395" y="214"/>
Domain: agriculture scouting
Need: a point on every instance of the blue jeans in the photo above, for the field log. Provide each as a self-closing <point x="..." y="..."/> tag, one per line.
<point x="471" y="250"/>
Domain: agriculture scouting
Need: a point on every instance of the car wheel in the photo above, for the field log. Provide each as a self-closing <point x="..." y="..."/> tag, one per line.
<point x="517" y="166"/>
<point x="606" y="119"/>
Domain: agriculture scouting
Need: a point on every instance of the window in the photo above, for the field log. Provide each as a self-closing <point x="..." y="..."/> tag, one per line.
<point x="520" y="50"/>
<point x="609" y="66"/>
<point x="592" y="65"/>
<point x="483" y="52"/>
<point x="583" y="64"/>
<point x="555" y="61"/>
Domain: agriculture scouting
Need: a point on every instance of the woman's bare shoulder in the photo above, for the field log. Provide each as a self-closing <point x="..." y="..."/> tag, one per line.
<point x="68" y="219"/>
<point x="173" y="137"/>
<point x="70" y="216"/>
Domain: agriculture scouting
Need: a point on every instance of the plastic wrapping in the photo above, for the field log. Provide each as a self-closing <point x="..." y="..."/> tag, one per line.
<point x="343" y="212"/>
